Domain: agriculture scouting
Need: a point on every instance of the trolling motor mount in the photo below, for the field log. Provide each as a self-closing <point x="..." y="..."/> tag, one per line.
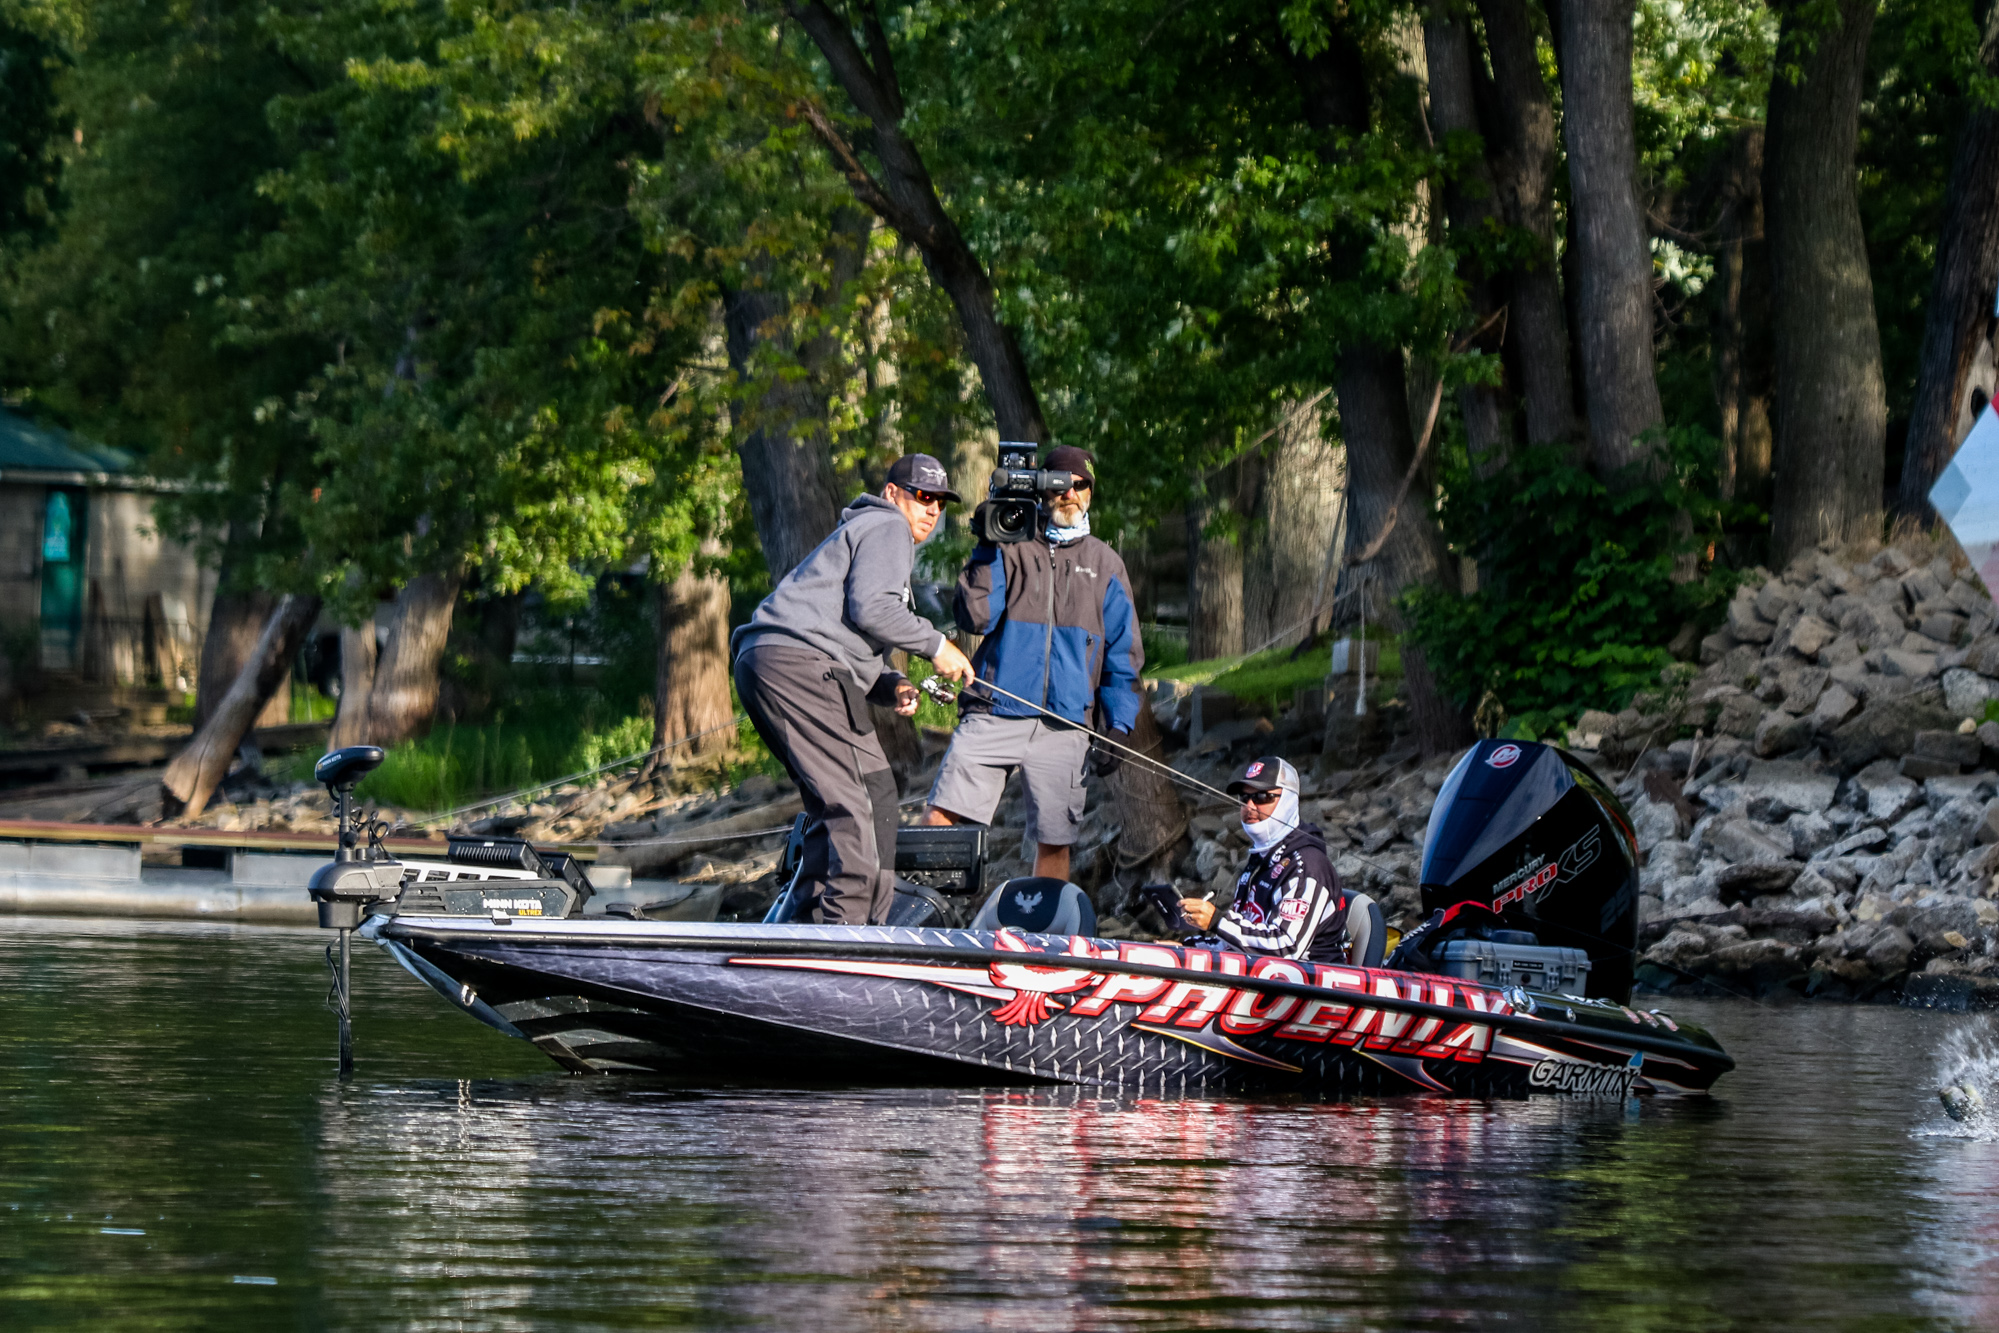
<point x="358" y="876"/>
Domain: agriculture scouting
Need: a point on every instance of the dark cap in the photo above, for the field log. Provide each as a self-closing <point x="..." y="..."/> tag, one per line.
<point x="1068" y="458"/>
<point x="921" y="472"/>
<point x="1267" y="774"/>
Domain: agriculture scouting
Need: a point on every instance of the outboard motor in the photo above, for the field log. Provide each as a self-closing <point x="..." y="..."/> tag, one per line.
<point x="1531" y="835"/>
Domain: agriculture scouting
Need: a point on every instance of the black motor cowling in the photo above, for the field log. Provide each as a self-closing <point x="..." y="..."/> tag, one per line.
<point x="1530" y="833"/>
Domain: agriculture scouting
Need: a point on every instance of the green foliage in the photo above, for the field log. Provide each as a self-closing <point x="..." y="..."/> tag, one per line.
<point x="1164" y="650"/>
<point x="540" y="737"/>
<point x="1576" y="599"/>
<point x="30" y="121"/>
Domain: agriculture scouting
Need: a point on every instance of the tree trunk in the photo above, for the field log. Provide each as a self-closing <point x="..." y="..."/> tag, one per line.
<point x="236" y="620"/>
<point x="1523" y="163"/>
<point x="1831" y="408"/>
<point x="404" y="697"/>
<point x="1959" y="319"/>
<point x="1613" y="260"/>
<point x="787" y="459"/>
<point x="1741" y="313"/>
<point x="692" y="690"/>
<point x="905" y="198"/>
<point x="1473" y="207"/>
<point x="1151" y="821"/>
<point x="1215" y="568"/>
<point x="1380" y="451"/>
<point x="195" y="773"/>
<point x="357" y="681"/>
<point x="1374" y="415"/>
<point x="1287" y="567"/>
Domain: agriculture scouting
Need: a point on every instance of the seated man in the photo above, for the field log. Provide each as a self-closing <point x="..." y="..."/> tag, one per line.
<point x="1287" y="899"/>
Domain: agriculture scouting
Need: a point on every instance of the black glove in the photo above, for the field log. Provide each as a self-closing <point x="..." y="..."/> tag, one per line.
<point x="1105" y="761"/>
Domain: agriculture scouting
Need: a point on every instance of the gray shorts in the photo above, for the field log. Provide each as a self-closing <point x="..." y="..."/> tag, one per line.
<point x="986" y="749"/>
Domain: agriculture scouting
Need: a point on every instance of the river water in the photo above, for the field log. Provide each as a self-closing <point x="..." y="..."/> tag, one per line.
<point x="175" y="1152"/>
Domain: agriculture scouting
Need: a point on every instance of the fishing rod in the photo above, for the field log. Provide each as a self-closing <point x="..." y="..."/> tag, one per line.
<point x="937" y="690"/>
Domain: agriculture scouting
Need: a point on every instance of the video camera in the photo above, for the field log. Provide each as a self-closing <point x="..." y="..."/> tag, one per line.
<point x="1017" y="491"/>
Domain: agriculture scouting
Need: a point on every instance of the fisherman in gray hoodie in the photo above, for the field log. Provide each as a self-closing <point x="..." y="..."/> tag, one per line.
<point x="813" y="657"/>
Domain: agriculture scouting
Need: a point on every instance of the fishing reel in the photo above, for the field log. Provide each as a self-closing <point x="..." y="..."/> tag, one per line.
<point x="939" y="690"/>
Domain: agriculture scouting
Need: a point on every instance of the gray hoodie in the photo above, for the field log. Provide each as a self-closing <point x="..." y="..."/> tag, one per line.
<point x="849" y="599"/>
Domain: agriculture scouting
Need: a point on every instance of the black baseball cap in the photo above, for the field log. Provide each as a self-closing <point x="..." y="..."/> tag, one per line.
<point x="1068" y="458"/>
<point x="1264" y="775"/>
<point x="921" y="472"/>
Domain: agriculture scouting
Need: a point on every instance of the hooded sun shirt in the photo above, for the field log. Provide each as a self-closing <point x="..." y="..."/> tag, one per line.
<point x="1267" y="833"/>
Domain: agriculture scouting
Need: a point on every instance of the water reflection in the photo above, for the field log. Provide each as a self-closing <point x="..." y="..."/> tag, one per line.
<point x="176" y="1081"/>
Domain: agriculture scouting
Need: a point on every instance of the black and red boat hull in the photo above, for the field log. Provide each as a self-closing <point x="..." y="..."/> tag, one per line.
<point x="713" y="1003"/>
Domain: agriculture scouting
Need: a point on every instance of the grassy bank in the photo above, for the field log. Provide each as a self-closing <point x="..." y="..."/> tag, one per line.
<point x="1272" y="675"/>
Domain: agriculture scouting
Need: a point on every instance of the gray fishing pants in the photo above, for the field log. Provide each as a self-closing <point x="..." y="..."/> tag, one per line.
<point x="815" y="720"/>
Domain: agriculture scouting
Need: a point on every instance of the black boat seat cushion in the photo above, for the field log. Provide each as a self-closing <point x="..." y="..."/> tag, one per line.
<point x="1038" y="905"/>
<point x="1367" y="933"/>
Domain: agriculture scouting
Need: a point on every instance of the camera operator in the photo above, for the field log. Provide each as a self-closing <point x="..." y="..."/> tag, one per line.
<point x="815" y="655"/>
<point x="1060" y="630"/>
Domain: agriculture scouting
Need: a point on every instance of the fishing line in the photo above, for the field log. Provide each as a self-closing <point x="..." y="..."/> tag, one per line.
<point x="938" y="692"/>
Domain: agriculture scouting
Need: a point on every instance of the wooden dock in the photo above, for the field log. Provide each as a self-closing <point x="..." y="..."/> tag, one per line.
<point x="51" y="868"/>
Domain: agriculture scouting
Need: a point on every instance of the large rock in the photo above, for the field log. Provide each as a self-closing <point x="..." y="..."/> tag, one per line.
<point x="1654" y="822"/>
<point x="1810" y="834"/>
<point x="1920" y="585"/>
<point x="1888" y="794"/>
<point x="1754" y="879"/>
<point x="1740" y="715"/>
<point x="1802" y="686"/>
<point x="1834" y="706"/>
<point x="1947" y="746"/>
<point x="1810" y="635"/>
<point x="1860" y="840"/>
<point x="1773" y="599"/>
<point x="1788" y="786"/>
<point x="1888" y="727"/>
<point x="1779" y="732"/>
<point x="1941" y="791"/>
<point x="1745" y="624"/>
<point x="1738" y="840"/>
<point x="1901" y="661"/>
<point x="1965" y="692"/>
<point x="1946" y="627"/>
<point x="1889" y="953"/>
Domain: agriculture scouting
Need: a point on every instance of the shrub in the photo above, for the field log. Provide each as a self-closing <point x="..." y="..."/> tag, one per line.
<point x="1576" y="599"/>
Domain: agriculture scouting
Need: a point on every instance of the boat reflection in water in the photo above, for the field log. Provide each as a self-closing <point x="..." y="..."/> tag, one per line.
<point x="1036" y="1209"/>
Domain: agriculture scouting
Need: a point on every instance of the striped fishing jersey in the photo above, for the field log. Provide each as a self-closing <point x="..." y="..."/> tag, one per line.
<point x="1288" y="902"/>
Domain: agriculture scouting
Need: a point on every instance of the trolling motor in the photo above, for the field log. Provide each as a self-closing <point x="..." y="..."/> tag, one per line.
<point x="356" y="879"/>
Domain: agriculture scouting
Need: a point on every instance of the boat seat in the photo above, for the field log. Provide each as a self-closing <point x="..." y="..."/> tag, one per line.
<point x="348" y="765"/>
<point x="1038" y="905"/>
<point x="1367" y="933"/>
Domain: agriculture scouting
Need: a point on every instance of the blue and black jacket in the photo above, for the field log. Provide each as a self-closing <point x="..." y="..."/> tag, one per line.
<point x="1060" y="629"/>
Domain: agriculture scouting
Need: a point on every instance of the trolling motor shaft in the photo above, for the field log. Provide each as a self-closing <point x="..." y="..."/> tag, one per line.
<point x="355" y="879"/>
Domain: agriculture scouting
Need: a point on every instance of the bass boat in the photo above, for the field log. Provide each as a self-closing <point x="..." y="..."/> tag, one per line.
<point x="1518" y="983"/>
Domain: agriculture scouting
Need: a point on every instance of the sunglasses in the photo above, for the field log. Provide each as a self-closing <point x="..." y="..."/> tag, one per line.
<point x="924" y="497"/>
<point x="1261" y="798"/>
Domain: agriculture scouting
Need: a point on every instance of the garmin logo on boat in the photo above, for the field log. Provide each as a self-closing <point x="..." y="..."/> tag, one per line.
<point x="1581" y="1079"/>
<point x="1506" y="756"/>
